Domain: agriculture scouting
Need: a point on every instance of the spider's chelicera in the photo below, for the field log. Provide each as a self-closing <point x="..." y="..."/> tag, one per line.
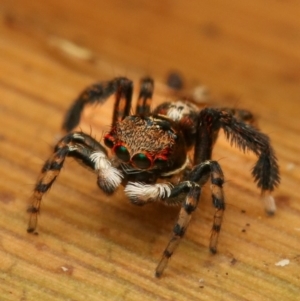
<point x="149" y="153"/>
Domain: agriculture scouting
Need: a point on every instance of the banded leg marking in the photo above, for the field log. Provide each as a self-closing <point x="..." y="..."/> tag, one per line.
<point x="217" y="180"/>
<point x="49" y="173"/>
<point x="77" y="145"/>
<point x="189" y="205"/>
<point x="145" y="97"/>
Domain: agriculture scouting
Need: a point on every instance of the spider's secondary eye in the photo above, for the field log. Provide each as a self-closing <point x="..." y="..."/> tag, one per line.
<point x="160" y="162"/>
<point x="122" y="153"/>
<point x="141" y="161"/>
<point x="109" y="141"/>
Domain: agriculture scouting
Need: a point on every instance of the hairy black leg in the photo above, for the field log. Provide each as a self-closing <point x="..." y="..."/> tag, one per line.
<point x="77" y="145"/>
<point x="188" y="206"/>
<point x="98" y="93"/>
<point x="242" y="115"/>
<point x="145" y="97"/>
<point x="123" y="100"/>
<point x="245" y="137"/>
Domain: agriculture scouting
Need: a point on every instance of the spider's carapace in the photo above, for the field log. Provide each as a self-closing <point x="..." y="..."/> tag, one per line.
<point x="152" y="143"/>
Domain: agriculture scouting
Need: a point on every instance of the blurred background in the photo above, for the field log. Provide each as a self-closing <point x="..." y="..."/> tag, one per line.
<point x="239" y="50"/>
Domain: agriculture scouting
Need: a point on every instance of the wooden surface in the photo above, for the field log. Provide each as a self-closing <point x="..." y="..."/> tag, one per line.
<point x="93" y="247"/>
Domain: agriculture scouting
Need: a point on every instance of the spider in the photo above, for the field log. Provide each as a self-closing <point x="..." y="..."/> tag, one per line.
<point x="149" y="154"/>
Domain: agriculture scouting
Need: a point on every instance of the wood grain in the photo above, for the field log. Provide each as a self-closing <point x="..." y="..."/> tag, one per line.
<point x="102" y="248"/>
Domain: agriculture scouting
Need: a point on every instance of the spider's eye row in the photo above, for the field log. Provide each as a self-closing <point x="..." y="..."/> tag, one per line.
<point x="109" y="141"/>
<point x="141" y="161"/>
<point x="122" y="153"/>
<point x="160" y="162"/>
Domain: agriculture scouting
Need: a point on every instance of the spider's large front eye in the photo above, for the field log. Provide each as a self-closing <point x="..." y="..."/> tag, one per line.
<point x="160" y="162"/>
<point x="141" y="161"/>
<point x="122" y="153"/>
<point x="109" y="141"/>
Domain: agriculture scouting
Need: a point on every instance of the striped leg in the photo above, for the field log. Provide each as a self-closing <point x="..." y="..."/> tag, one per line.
<point x="186" y="193"/>
<point x="77" y="145"/>
<point x="200" y="175"/>
<point x="145" y="97"/>
<point x="99" y="93"/>
<point x="188" y="206"/>
<point x="217" y="180"/>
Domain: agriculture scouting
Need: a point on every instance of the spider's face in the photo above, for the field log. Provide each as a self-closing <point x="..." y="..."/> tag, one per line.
<point x="149" y="143"/>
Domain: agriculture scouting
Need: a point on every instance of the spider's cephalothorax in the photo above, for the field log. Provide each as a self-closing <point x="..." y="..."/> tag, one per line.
<point x="148" y="154"/>
<point x="147" y="143"/>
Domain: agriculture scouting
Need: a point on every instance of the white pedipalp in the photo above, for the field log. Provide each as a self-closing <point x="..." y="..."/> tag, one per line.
<point x="110" y="177"/>
<point x="145" y="192"/>
<point x="101" y="161"/>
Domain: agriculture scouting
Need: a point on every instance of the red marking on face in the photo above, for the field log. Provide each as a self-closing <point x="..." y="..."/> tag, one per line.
<point x="109" y="140"/>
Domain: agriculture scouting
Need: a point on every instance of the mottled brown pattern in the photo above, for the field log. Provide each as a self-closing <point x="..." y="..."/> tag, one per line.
<point x="144" y="135"/>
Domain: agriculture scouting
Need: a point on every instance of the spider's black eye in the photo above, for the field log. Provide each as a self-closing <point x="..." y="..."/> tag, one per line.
<point x="160" y="162"/>
<point x="141" y="161"/>
<point x="109" y="141"/>
<point x="122" y="153"/>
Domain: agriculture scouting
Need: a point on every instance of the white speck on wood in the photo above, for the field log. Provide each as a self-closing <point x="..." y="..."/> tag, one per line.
<point x="282" y="263"/>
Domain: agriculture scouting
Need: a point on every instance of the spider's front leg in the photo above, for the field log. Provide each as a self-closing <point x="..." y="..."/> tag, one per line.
<point x="87" y="151"/>
<point x="192" y="189"/>
<point x="186" y="193"/>
<point x="189" y="204"/>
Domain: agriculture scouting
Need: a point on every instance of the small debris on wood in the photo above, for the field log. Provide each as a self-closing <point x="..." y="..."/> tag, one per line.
<point x="282" y="263"/>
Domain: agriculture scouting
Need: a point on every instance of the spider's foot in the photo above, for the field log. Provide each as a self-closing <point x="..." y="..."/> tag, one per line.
<point x="32" y="231"/>
<point x="269" y="203"/>
<point x="33" y="210"/>
<point x="162" y="264"/>
<point x="213" y="250"/>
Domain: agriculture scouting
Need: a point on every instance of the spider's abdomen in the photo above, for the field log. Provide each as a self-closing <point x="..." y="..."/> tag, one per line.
<point x="184" y="113"/>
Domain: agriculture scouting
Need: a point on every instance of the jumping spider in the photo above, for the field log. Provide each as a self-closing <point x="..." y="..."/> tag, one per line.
<point x="149" y="149"/>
